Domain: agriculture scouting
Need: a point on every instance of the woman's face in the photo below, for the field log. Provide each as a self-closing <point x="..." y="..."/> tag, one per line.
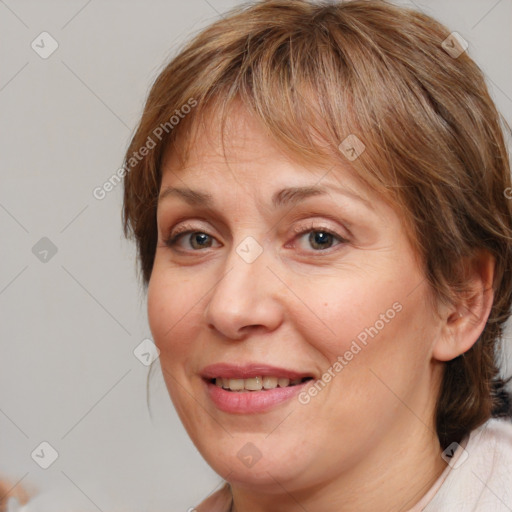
<point x="321" y="284"/>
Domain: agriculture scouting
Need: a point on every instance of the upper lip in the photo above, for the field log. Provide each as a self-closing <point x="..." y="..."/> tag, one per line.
<point x="250" y="370"/>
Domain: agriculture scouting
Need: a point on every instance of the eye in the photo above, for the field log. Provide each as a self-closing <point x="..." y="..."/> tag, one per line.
<point x="320" y="238"/>
<point x="196" y="239"/>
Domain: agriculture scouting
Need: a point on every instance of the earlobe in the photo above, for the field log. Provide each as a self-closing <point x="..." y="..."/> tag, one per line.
<point x="464" y="323"/>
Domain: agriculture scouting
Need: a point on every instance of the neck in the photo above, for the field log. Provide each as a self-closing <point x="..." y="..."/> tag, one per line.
<point x="395" y="477"/>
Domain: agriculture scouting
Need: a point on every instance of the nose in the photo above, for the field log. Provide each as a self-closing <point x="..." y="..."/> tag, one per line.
<point x="246" y="297"/>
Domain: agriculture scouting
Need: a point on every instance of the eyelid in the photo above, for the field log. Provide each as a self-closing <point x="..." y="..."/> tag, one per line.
<point x="183" y="228"/>
<point x="315" y="226"/>
<point x="297" y="229"/>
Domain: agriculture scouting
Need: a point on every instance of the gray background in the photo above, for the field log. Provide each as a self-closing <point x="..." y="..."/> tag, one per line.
<point x="69" y="325"/>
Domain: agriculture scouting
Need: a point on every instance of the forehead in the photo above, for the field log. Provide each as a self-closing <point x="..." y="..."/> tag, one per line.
<point x="244" y="140"/>
<point x="246" y="152"/>
<point x="246" y="168"/>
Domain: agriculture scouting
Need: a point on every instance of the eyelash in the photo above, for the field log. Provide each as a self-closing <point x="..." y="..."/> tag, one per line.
<point x="174" y="237"/>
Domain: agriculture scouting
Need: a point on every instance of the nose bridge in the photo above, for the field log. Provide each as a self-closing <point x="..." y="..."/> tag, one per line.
<point x="244" y="294"/>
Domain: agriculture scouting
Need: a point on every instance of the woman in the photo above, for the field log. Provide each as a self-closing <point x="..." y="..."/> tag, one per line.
<point x="318" y="193"/>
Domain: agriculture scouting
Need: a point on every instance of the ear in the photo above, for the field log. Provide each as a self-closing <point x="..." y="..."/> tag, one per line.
<point x="463" y="323"/>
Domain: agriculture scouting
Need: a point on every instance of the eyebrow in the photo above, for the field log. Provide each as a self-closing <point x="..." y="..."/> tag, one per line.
<point x="284" y="197"/>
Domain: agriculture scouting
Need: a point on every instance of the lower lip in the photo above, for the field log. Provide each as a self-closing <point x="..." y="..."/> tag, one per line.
<point x="250" y="402"/>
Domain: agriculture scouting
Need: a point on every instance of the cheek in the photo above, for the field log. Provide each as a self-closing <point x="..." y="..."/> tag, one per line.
<point x="371" y="324"/>
<point x="350" y="310"/>
<point x="170" y="316"/>
<point x="170" y="307"/>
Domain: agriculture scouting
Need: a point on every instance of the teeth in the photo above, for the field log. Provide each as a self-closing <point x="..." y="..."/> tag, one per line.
<point x="255" y="383"/>
<point x="270" y="382"/>
<point x="234" y="384"/>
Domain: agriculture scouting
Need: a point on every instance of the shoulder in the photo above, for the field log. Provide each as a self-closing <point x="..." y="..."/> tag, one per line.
<point x="480" y="477"/>
<point x="14" y="505"/>
<point x="51" y="500"/>
<point x="219" y="501"/>
<point x="497" y="429"/>
<point x="491" y="448"/>
<point x="12" y="495"/>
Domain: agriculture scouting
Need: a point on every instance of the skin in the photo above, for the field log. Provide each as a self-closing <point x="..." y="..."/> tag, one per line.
<point x="367" y="441"/>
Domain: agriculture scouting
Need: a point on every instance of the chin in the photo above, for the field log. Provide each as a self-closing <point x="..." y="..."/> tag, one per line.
<point x="258" y="464"/>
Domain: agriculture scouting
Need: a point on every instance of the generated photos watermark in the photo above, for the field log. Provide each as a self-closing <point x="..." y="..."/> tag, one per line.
<point x="100" y="192"/>
<point x="343" y="360"/>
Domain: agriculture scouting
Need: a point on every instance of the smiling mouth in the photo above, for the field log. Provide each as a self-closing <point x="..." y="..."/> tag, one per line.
<point x="256" y="383"/>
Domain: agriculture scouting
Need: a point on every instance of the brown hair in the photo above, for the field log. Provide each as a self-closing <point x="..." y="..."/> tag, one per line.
<point x="316" y="73"/>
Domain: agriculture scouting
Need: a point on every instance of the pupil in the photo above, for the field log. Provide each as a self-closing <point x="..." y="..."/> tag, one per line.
<point x="320" y="238"/>
<point x="200" y="238"/>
